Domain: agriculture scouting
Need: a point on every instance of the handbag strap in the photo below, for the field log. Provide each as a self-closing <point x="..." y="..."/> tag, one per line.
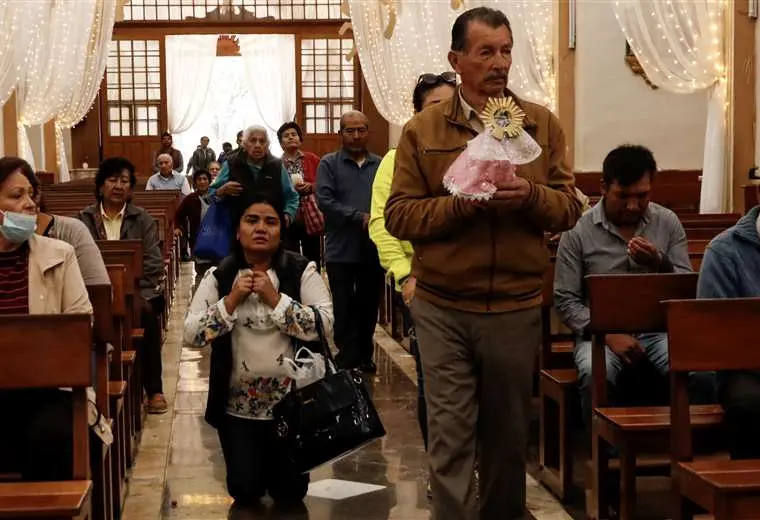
<point x="326" y="352"/>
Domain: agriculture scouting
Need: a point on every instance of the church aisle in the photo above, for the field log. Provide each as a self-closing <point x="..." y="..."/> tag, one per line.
<point x="179" y="473"/>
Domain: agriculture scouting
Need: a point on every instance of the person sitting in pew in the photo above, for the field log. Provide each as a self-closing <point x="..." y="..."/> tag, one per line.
<point x="731" y="269"/>
<point x="189" y="216"/>
<point x="73" y="232"/>
<point x="166" y="178"/>
<point x="114" y="217"/>
<point x="38" y="275"/>
<point x="623" y="233"/>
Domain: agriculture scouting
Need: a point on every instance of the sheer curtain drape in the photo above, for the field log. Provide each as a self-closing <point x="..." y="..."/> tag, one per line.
<point x="189" y="67"/>
<point x="270" y="68"/>
<point x="85" y="91"/>
<point x="420" y="41"/>
<point x="55" y="65"/>
<point x="679" y="46"/>
<point x="16" y="22"/>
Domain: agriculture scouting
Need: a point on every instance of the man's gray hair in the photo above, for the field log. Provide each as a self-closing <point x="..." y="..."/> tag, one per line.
<point x="255" y="129"/>
<point x="168" y="156"/>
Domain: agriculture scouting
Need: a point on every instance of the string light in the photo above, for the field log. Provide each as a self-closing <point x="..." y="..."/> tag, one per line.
<point x="694" y="59"/>
<point x="420" y="44"/>
<point x="83" y="96"/>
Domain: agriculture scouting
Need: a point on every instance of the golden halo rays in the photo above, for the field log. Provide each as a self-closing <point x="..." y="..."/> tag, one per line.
<point x="503" y="117"/>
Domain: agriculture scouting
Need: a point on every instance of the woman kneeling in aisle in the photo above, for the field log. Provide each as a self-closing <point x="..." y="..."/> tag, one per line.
<point x="250" y="309"/>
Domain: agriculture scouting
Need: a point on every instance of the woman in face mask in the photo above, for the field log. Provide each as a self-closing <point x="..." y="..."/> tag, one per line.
<point x="38" y="275"/>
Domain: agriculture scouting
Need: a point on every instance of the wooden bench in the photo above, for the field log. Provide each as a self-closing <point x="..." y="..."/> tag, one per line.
<point x="557" y="390"/>
<point x="557" y="384"/>
<point x="102" y="456"/>
<point x="630" y="304"/>
<point x="53" y="351"/>
<point x="708" y="335"/>
<point x="128" y="254"/>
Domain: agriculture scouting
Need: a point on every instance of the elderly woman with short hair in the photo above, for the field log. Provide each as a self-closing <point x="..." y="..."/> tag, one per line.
<point x="256" y="172"/>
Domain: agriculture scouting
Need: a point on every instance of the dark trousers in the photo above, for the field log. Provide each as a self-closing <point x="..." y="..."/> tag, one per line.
<point x="414" y="349"/>
<point x="256" y="464"/>
<point x="740" y="396"/>
<point x="356" y="290"/>
<point x="39" y="434"/>
<point x="150" y="348"/>
<point x="299" y="241"/>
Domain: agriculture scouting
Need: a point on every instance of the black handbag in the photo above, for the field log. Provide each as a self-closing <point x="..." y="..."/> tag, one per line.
<point x="328" y="419"/>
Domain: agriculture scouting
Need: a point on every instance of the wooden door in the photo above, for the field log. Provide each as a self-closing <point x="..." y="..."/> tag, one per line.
<point x="133" y="108"/>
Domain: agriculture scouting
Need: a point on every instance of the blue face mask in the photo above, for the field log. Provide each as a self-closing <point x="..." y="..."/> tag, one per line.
<point x="18" y="227"/>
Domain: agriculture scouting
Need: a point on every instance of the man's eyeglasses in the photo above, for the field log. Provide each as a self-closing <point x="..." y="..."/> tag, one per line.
<point x="448" y="77"/>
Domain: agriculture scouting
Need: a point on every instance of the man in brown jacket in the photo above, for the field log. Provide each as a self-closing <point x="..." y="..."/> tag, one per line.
<point x="479" y="269"/>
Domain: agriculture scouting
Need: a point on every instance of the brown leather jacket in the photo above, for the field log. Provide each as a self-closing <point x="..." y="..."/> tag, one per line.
<point x="471" y="259"/>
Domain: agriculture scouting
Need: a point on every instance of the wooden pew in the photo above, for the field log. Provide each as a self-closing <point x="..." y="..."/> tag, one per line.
<point x="630" y="429"/>
<point x="727" y="489"/>
<point x="123" y="360"/>
<point x="557" y="392"/>
<point x="101" y="455"/>
<point x="557" y="382"/>
<point x="679" y="190"/>
<point x="128" y="253"/>
<point x="53" y="351"/>
<point x="101" y="298"/>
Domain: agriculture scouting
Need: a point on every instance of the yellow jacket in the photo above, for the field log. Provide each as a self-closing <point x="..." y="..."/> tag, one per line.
<point x="395" y="255"/>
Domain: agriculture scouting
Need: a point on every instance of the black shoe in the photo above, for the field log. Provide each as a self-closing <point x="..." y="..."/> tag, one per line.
<point x="368" y="367"/>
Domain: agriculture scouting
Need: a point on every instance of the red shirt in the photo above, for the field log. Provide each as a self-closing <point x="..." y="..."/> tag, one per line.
<point x="14" y="281"/>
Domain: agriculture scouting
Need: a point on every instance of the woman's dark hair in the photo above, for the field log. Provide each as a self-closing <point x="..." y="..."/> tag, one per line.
<point x="627" y="164"/>
<point x="166" y="134"/>
<point x="226" y="145"/>
<point x="289" y="126"/>
<point x="111" y="167"/>
<point x="429" y="82"/>
<point x="493" y="18"/>
<point x="198" y="173"/>
<point x="10" y="165"/>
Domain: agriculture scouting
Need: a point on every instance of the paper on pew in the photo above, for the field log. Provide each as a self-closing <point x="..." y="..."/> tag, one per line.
<point x="95" y="419"/>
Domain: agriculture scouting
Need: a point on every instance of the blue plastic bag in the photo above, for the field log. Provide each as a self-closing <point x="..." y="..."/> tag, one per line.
<point x="215" y="235"/>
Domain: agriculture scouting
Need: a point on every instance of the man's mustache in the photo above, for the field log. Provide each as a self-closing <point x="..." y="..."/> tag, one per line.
<point x="494" y="76"/>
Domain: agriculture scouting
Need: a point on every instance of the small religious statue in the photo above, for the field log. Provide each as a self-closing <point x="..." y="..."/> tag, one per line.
<point x="492" y="157"/>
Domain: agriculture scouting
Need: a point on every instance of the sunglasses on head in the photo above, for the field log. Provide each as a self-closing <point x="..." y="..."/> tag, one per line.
<point x="437" y="79"/>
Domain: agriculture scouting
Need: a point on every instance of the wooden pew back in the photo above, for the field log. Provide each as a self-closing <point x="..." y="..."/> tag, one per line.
<point x="705" y="335"/>
<point x="51" y="351"/>
<point x="629" y="304"/>
<point x="700" y="329"/>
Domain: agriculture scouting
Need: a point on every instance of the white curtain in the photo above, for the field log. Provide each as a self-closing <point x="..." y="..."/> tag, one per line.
<point x="85" y="92"/>
<point x="397" y="40"/>
<point x="229" y="108"/>
<point x="58" y="51"/>
<point x="189" y="67"/>
<point x="16" y="23"/>
<point x="270" y="68"/>
<point x="680" y="47"/>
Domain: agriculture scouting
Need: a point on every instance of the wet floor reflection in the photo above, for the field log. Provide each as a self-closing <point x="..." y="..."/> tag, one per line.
<point x="394" y="466"/>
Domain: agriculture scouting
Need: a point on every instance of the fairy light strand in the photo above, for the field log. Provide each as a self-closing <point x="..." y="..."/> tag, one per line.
<point x="690" y="56"/>
<point x="392" y="65"/>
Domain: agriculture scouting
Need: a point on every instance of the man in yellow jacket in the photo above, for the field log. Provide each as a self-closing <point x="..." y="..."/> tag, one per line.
<point x="396" y="255"/>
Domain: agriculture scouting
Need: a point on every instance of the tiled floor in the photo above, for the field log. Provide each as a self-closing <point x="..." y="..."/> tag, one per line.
<point x="180" y="472"/>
